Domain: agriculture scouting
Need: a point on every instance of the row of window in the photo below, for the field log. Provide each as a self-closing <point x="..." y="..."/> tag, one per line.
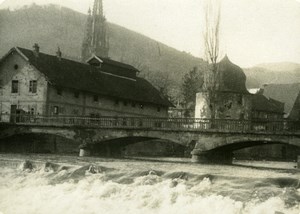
<point x="15" y="86"/>
<point x="265" y="115"/>
<point x="56" y="110"/>
<point x="117" y="102"/>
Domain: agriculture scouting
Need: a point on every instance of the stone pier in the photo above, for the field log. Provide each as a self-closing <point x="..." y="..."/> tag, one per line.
<point x="219" y="157"/>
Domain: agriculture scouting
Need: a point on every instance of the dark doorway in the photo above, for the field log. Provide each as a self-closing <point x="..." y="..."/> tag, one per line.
<point x="13" y="113"/>
<point x="16" y="114"/>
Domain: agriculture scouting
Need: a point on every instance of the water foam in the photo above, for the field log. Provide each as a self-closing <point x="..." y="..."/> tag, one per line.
<point x="53" y="189"/>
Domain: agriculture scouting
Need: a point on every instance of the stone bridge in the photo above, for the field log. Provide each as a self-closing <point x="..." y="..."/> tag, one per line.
<point x="208" y="142"/>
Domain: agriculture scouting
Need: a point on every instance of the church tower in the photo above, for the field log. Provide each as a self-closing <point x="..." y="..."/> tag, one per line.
<point x="95" y="40"/>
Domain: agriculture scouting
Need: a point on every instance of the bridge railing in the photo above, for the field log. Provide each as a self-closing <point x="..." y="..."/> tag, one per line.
<point x="158" y="123"/>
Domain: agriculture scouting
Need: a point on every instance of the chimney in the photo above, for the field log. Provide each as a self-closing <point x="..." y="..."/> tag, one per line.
<point x="36" y="50"/>
<point x="58" y="53"/>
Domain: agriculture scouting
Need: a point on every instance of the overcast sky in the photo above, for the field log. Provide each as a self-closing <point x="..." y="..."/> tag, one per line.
<point x="253" y="31"/>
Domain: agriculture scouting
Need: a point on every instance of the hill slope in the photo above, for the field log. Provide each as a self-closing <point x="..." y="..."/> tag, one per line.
<point x="273" y="73"/>
<point x="51" y="26"/>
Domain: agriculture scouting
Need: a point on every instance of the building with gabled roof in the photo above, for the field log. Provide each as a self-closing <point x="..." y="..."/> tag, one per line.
<point x="32" y="82"/>
<point x="266" y="108"/>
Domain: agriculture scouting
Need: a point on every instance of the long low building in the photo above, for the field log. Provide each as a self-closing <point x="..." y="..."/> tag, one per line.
<point x="32" y="82"/>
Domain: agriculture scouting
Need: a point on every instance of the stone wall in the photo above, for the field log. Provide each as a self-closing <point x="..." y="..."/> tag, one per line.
<point x="228" y="105"/>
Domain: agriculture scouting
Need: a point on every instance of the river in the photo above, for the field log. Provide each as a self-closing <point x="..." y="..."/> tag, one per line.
<point x="66" y="184"/>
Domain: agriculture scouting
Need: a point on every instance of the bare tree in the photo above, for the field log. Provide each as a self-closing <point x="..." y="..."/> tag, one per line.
<point x="211" y="36"/>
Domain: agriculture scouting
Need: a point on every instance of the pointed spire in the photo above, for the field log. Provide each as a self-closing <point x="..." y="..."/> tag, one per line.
<point x="98" y="8"/>
<point x="96" y="39"/>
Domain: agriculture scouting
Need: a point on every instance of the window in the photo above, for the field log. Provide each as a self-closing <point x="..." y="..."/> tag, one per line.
<point x="32" y="86"/>
<point x="15" y="86"/>
<point x="1" y="83"/>
<point x="55" y="110"/>
<point x="141" y="106"/>
<point x="32" y="111"/>
<point x="95" y="98"/>
<point x="59" y="91"/>
<point x="133" y="104"/>
<point x="76" y="94"/>
<point x="116" y="102"/>
<point x="16" y="67"/>
<point x="125" y="103"/>
<point x="158" y="109"/>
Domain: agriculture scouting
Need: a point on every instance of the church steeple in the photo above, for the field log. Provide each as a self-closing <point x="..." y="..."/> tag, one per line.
<point x="95" y="39"/>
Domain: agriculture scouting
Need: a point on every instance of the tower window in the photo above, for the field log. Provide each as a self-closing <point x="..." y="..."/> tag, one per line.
<point x="32" y="86"/>
<point x="55" y="110"/>
<point x="32" y="111"/>
<point x="15" y="86"/>
<point x="16" y="67"/>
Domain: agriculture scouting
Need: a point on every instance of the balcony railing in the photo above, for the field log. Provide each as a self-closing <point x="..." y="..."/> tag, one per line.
<point x="228" y="125"/>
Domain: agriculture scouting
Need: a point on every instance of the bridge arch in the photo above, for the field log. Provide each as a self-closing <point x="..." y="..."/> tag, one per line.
<point x="137" y="146"/>
<point x="97" y="139"/>
<point x="42" y="143"/>
<point x="220" y="149"/>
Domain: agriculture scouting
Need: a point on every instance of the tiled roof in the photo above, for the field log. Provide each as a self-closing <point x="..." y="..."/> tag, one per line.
<point x="261" y="103"/>
<point x="80" y="76"/>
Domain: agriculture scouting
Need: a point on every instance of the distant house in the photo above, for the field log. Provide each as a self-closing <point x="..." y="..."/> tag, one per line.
<point x="295" y="111"/>
<point x="266" y="109"/>
<point x="285" y="93"/>
<point x="32" y="82"/>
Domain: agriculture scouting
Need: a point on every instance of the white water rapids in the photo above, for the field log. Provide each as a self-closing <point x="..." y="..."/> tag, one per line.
<point x="130" y="186"/>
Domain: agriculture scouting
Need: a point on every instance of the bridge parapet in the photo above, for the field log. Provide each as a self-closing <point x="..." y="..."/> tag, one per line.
<point x="189" y="124"/>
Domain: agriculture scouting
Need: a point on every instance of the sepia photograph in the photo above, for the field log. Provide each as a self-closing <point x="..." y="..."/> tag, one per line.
<point x="149" y="106"/>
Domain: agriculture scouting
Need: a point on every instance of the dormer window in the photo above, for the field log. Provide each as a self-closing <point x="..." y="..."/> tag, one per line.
<point x="95" y="61"/>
